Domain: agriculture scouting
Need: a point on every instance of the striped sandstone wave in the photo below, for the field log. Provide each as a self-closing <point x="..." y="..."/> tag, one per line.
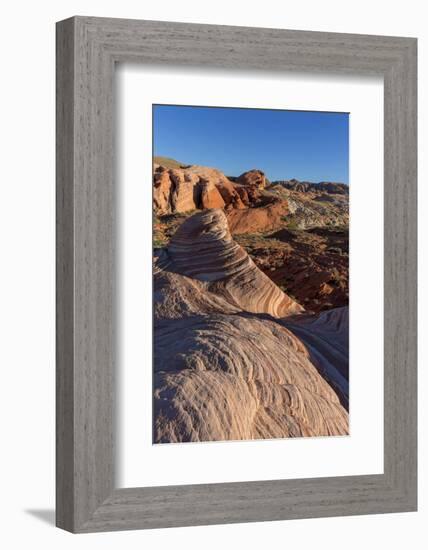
<point x="226" y="364"/>
<point x="326" y="337"/>
<point x="203" y="249"/>
<point x="231" y="377"/>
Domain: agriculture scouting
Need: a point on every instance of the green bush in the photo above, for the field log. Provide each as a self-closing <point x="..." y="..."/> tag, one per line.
<point x="292" y="224"/>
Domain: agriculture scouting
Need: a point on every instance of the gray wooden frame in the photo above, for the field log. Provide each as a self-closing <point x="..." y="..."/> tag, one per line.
<point x="87" y="50"/>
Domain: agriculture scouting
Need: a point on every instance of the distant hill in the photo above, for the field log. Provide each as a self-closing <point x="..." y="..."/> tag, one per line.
<point x="305" y="186"/>
<point x="168" y="163"/>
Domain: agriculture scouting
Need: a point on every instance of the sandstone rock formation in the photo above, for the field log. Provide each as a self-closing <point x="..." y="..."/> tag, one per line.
<point x="229" y="363"/>
<point x="251" y="205"/>
<point x="203" y="249"/>
<point x="268" y="215"/>
<point x="326" y="337"/>
<point x="253" y="178"/>
<point x="230" y="377"/>
<point x="187" y="188"/>
<point x="178" y="190"/>
<point x="314" y="205"/>
<point x="210" y="196"/>
<point x="295" y="232"/>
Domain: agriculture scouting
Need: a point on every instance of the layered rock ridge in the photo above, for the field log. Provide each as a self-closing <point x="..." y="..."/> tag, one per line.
<point x="231" y="377"/>
<point x="326" y="337"/>
<point x="226" y="364"/>
<point x="203" y="249"/>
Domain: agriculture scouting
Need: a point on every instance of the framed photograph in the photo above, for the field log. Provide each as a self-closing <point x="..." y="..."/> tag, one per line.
<point x="236" y="274"/>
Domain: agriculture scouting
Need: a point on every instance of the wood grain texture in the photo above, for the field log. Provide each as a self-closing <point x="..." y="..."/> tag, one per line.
<point x="87" y="49"/>
<point x="64" y="276"/>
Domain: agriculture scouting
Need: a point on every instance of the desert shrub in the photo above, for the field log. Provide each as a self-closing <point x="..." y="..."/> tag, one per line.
<point x="292" y="223"/>
<point x="158" y="243"/>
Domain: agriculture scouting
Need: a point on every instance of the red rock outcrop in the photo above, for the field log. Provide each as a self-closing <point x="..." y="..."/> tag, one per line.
<point x="210" y="196"/>
<point x="179" y="190"/>
<point x="265" y="217"/>
<point x="253" y="178"/>
<point x="312" y="265"/>
<point x="184" y="194"/>
<point x="162" y="190"/>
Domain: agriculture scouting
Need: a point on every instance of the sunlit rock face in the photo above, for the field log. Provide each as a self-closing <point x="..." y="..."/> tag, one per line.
<point x="177" y="190"/>
<point x="326" y="337"/>
<point x="253" y="178"/>
<point x="229" y="363"/>
<point x="203" y="249"/>
<point x="231" y="377"/>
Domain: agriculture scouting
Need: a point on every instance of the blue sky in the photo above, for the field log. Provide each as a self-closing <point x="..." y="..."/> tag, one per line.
<point x="306" y="145"/>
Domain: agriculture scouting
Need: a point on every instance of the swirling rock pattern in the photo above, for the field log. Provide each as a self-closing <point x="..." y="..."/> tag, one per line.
<point x="326" y="337"/>
<point x="203" y="249"/>
<point x="226" y="365"/>
<point x="225" y="377"/>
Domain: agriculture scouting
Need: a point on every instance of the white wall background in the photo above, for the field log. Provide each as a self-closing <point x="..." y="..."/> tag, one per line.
<point x="27" y="272"/>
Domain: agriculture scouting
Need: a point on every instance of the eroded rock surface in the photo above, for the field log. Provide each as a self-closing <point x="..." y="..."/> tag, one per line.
<point x="311" y="265"/>
<point x="314" y="204"/>
<point x="253" y="178"/>
<point x="177" y="190"/>
<point x="227" y="366"/>
<point x="295" y="232"/>
<point x="231" y="377"/>
<point x="326" y="337"/>
<point x="322" y="186"/>
<point x="203" y="249"/>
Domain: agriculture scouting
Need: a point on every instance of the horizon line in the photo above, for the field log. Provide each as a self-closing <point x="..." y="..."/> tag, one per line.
<point x="185" y="165"/>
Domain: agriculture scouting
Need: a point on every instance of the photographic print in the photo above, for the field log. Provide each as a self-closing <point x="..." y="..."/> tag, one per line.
<point x="250" y="274"/>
